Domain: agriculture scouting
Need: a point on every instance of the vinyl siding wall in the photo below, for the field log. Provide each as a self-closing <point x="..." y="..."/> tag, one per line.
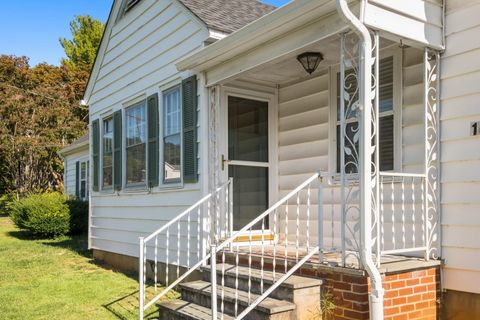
<point x="304" y="148"/>
<point x="69" y="170"/>
<point x="460" y="153"/>
<point x="140" y="58"/>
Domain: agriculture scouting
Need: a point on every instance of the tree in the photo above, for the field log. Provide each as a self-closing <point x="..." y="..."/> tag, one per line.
<point x="82" y="49"/>
<point x="40" y="111"/>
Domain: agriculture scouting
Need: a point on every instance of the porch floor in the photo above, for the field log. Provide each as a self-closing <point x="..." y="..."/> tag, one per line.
<point x="389" y="263"/>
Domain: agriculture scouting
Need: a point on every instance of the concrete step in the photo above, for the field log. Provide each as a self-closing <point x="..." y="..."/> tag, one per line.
<point x="199" y="292"/>
<point x="184" y="310"/>
<point x="305" y="292"/>
<point x="284" y="291"/>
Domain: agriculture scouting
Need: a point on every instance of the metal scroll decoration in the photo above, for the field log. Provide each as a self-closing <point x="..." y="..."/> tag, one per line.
<point x="349" y="137"/>
<point x="431" y="62"/>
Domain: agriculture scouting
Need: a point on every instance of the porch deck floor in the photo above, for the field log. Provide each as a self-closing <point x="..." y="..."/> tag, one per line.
<point x="388" y="263"/>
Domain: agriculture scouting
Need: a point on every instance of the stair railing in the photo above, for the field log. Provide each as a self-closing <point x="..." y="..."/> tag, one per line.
<point x="296" y="209"/>
<point x="206" y="221"/>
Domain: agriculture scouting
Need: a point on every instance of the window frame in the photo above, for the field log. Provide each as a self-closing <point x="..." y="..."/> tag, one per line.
<point x="137" y="185"/>
<point x="396" y="53"/>
<point x="86" y="179"/>
<point x="177" y="183"/>
<point x="102" y="129"/>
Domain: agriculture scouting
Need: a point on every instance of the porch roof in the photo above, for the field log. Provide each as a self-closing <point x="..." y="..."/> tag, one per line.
<point x="294" y="25"/>
<point x="299" y="25"/>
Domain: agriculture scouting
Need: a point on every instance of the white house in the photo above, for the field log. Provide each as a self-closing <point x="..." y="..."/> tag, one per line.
<point x="75" y="168"/>
<point x="331" y="139"/>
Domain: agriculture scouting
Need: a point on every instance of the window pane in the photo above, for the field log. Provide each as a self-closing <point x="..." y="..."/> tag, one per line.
<point x="136" y="164"/>
<point x="83" y="170"/>
<point x="171" y="102"/>
<point x="247" y="129"/>
<point x="136" y="136"/>
<point x="171" y="154"/>
<point x="83" y="190"/>
<point x="107" y="152"/>
<point x="171" y="135"/>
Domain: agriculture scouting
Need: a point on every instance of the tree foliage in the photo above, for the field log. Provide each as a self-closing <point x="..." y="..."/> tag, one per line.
<point x="81" y="50"/>
<point x="40" y="112"/>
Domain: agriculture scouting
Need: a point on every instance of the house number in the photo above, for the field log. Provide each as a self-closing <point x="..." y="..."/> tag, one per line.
<point x="475" y="128"/>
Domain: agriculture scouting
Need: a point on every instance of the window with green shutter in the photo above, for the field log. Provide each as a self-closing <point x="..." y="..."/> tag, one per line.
<point x="96" y="154"/>
<point x="152" y="147"/>
<point x="117" y="150"/>
<point x="189" y="127"/>
<point x="172" y="144"/>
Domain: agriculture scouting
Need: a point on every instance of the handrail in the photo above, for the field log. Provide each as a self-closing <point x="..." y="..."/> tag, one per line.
<point x="266" y="212"/>
<point x="184" y="213"/>
<point x="143" y="249"/>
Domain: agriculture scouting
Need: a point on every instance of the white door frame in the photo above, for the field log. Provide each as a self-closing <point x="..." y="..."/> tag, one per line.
<point x="272" y="136"/>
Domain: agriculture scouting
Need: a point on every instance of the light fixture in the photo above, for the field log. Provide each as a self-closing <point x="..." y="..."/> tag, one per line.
<point x="310" y="60"/>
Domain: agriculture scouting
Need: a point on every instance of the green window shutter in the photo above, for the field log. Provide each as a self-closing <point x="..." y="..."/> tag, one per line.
<point x="117" y="150"/>
<point x="189" y="116"/>
<point x="153" y="137"/>
<point x="77" y="179"/>
<point x="96" y="154"/>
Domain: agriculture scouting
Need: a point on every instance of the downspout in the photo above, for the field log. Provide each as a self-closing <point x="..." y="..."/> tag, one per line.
<point x="365" y="63"/>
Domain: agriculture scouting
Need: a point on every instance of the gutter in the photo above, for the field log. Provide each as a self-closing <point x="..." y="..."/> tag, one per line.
<point x="376" y="292"/>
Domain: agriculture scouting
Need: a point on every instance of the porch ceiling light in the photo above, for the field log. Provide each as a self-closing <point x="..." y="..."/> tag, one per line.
<point x="310" y="60"/>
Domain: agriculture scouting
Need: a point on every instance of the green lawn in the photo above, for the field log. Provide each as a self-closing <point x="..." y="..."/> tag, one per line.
<point x="57" y="279"/>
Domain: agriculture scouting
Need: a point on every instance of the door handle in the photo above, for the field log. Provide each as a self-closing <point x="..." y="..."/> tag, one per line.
<point x="223" y="162"/>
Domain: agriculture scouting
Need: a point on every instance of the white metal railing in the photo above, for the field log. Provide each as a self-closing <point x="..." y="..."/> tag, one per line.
<point x="207" y="220"/>
<point x="403" y="220"/>
<point x="300" y="196"/>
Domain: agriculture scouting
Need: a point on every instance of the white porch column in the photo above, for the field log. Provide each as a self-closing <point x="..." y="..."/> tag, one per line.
<point x="432" y="153"/>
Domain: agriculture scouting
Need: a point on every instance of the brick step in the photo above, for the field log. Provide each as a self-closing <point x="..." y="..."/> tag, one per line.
<point x="199" y="292"/>
<point x="184" y="310"/>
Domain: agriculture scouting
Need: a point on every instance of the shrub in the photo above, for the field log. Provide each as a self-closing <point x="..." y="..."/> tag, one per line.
<point x="78" y="216"/>
<point x="45" y="215"/>
<point x="6" y="201"/>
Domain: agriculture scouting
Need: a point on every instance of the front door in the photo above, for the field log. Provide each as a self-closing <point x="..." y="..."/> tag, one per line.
<point x="248" y="158"/>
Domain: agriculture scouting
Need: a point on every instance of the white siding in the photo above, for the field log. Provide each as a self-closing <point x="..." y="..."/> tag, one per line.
<point x="139" y="60"/>
<point x="460" y="153"/>
<point x="69" y="170"/>
<point x="303" y="133"/>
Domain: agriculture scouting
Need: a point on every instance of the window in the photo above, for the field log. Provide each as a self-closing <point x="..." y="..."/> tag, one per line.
<point x="136" y="135"/>
<point x="386" y="121"/>
<point x="107" y="142"/>
<point x="84" y="180"/>
<point x="171" y="135"/>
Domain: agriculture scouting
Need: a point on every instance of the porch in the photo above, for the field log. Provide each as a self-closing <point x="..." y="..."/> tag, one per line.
<point x="334" y="169"/>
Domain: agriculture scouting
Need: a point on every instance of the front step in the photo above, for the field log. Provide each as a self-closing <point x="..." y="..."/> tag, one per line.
<point x="184" y="310"/>
<point x="297" y="298"/>
<point x="199" y="292"/>
<point x="304" y="292"/>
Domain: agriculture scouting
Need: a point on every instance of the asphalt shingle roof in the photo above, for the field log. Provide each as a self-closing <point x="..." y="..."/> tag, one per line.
<point x="227" y="15"/>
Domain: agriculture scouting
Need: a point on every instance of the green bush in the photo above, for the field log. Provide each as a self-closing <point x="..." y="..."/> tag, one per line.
<point x="6" y="201"/>
<point x="78" y="216"/>
<point x="45" y="215"/>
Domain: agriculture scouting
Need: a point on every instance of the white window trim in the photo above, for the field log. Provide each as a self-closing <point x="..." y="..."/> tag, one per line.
<point x="140" y="186"/>
<point x="108" y="189"/>
<point x="86" y="179"/>
<point x="396" y="53"/>
<point x="178" y="184"/>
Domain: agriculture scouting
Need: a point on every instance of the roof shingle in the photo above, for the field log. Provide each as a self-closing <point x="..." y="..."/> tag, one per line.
<point x="227" y="15"/>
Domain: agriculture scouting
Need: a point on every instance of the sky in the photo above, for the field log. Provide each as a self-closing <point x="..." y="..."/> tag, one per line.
<point x="32" y="27"/>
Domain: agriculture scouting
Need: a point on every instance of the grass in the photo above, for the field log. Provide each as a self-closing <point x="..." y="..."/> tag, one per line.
<point x="58" y="279"/>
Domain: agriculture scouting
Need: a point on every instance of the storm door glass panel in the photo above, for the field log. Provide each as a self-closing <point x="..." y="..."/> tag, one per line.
<point x="247" y="130"/>
<point x="248" y="159"/>
<point x="250" y="194"/>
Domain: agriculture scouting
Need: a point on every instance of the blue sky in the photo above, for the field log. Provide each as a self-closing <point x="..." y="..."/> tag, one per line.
<point x="32" y="27"/>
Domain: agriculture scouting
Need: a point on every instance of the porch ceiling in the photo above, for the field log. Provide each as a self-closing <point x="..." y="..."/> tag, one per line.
<point x="287" y="70"/>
